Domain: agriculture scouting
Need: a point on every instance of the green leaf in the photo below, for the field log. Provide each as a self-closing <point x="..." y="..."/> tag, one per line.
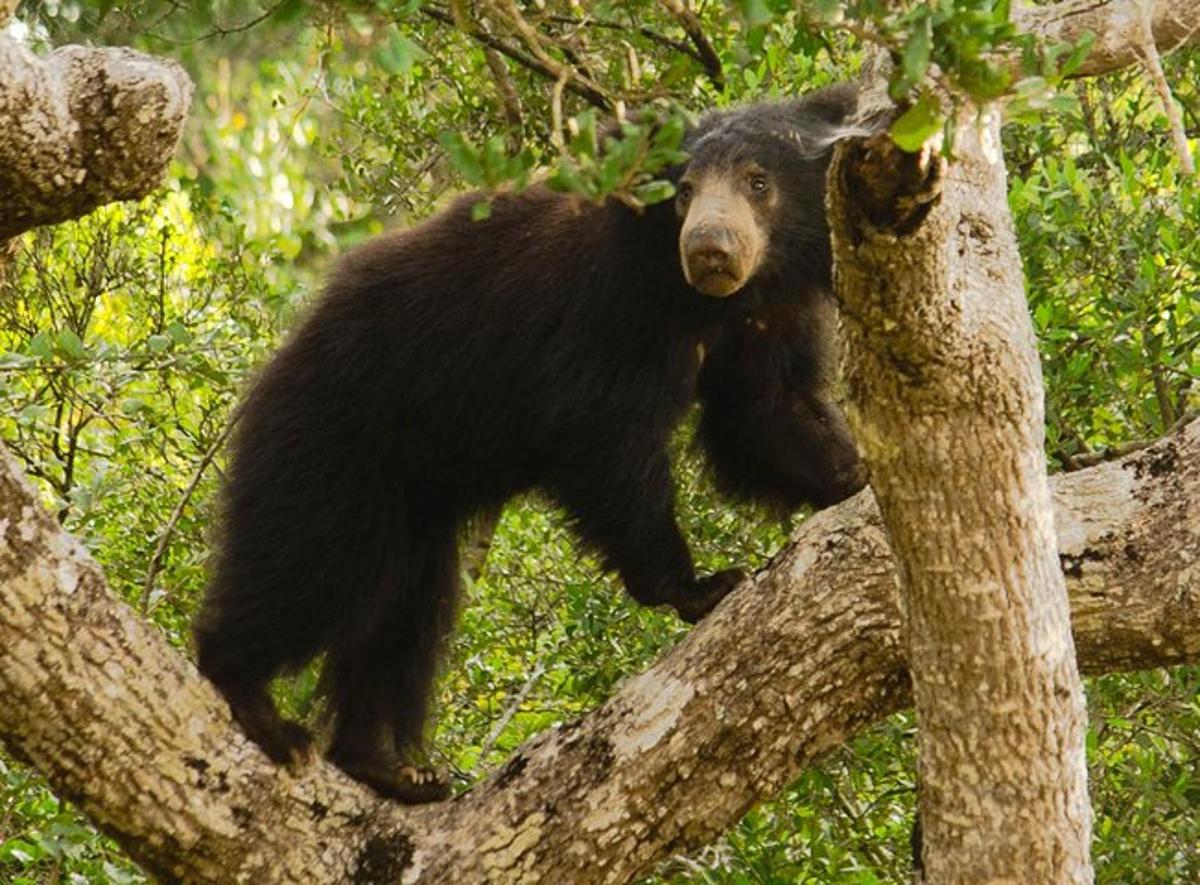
<point x="918" y="124"/>
<point x="670" y="134"/>
<point x="495" y="160"/>
<point x="40" y="345"/>
<point x="179" y="332"/>
<point x="70" y="345"/>
<point x="398" y="54"/>
<point x="583" y="143"/>
<point x="652" y="192"/>
<point x="33" y="413"/>
<point x="914" y="61"/>
<point x="481" y="210"/>
<point x="464" y="155"/>
<point x="756" y="13"/>
<point x="289" y="11"/>
<point x="566" y="177"/>
<point x="1073" y="61"/>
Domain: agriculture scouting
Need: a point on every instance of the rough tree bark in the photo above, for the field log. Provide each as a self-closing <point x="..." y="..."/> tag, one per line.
<point x="784" y="671"/>
<point x="1115" y="25"/>
<point x="83" y="127"/>
<point x="946" y="403"/>
<point x="945" y="399"/>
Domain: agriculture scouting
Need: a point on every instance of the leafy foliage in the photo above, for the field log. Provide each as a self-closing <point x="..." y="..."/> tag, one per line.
<point x="125" y="338"/>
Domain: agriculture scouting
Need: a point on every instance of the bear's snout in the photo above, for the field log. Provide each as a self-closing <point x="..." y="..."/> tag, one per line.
<point x="722" y="239"/>
<point x="712" y="260"/>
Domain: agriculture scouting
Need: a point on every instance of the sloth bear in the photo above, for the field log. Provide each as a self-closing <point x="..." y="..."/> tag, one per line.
<point x="554" y="345"/>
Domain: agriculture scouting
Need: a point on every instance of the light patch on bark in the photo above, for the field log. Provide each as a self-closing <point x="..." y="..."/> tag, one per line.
<point x="657" y="705"/>
<point x="607" y="811"/>
<point x="1111" y="490"/>
<point x="504" y="852"/>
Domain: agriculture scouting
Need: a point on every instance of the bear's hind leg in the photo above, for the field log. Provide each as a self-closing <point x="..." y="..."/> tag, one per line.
<point x="380" y="674"/>
<point x="234" y="660"/>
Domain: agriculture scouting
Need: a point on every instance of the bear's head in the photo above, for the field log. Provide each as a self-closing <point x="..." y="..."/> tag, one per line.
<point x="751" y="196"/>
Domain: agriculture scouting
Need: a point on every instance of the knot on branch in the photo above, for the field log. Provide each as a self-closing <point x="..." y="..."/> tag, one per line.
<point x="84" y="126"/>
<point x="888" y="188"/>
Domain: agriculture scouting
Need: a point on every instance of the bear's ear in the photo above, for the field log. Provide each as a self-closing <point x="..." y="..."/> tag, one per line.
<point x="833" y="105"/>
<point x="824" y="117"/>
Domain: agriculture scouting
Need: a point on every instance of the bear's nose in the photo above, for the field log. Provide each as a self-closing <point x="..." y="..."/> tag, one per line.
<point x="710" y="261"/>
<point x="711" y="247"/>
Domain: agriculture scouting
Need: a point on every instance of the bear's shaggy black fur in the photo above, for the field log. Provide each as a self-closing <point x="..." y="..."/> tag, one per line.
<point x="555" y="346"/>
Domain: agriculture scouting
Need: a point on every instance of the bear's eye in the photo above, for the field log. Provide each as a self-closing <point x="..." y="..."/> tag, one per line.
<point x="685" y="192"/>
<point x="758" y="183"/>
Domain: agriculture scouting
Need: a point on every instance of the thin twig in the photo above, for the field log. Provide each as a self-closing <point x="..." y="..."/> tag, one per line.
<point x="509" y="99"/>
<point x="556" y="115"/>
<point x="160" y="548"/>
<point x="694" y="28"/>
<point x="1072" y="463"/>
<point x="1147" y="50"/>
<point x="586" y="90"/>
<point x="590" y="21"/>
<point x="509" y="712"/>
<point x="216" y="31"/>
<point x="509" y="14"/>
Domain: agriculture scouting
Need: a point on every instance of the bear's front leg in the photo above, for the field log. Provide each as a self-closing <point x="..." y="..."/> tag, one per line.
<point x="628" y="513"/>
<point x="710" y="591"/>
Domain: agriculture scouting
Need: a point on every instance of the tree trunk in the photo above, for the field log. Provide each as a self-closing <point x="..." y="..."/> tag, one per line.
<point x="946" y="402"/>
<point x="945" y="399"/>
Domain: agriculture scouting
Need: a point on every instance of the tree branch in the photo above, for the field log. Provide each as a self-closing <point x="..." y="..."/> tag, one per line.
<point x="83" y="127"/>
<point x="164" y="538"/>
<point x="694" y="28"/>
<point x="1147" y="48"/>
<point x="590" y="21"/>
<point x="1116" y="27"/>
<point x="786" y="669"/>
<point x="574" y="83"/>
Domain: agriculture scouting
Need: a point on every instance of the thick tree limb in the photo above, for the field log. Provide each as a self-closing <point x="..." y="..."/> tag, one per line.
<point x="83" y="127"/>
<point x="785" y="670"/>
<point x="1116" y="26"/>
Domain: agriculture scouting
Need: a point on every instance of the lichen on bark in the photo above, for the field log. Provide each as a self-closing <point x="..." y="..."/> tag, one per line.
<point x="82" y="127"/>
